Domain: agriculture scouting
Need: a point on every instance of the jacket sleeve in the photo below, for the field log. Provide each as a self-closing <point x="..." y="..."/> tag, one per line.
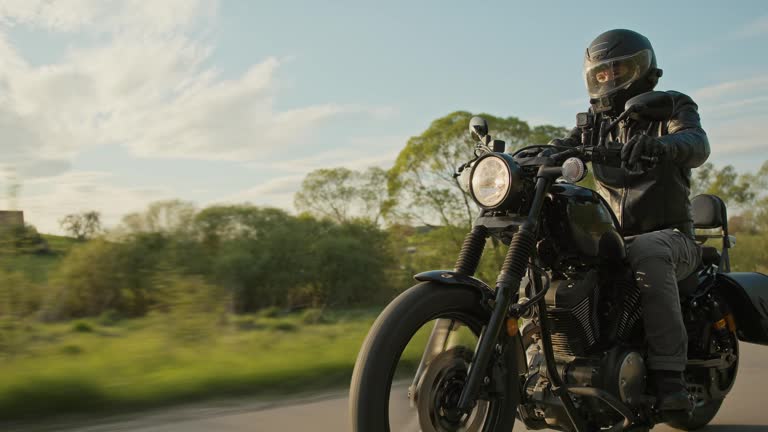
<point x="689" y="146"/>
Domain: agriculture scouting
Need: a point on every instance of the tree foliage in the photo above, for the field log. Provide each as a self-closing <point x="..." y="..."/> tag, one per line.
<point x="169" y="216"/>
<point x="22" y="239"/>
<point x="252" y="257"/>
<point x="422" y="181"/>
<point x="725" y="183"/>
<point x="83" y="225"/>
<point x="341" y="194"/>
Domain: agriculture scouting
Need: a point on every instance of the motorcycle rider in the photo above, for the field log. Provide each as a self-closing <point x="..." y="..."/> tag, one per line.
<point x="651" y="205"/>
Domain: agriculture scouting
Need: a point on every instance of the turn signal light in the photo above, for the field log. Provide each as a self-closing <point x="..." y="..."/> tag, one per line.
<point x="512" y="326"/>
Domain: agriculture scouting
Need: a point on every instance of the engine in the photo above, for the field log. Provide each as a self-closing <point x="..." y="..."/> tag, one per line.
<point x="620" y="371"/>
<point x="588" y="318"/>
<point x="587" y="315"/>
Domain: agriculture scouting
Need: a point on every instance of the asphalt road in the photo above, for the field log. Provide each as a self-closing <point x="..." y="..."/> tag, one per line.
<point x="745" y="410"/>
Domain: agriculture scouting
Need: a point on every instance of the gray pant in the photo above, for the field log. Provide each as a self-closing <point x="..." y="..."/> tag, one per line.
<point x="660" y="259"/>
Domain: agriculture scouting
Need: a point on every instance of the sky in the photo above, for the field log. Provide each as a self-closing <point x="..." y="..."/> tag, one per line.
<point x="110" y="105"/>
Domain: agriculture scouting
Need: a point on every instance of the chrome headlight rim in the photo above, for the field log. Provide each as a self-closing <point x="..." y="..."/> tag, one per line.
<point x="513" y="181"/>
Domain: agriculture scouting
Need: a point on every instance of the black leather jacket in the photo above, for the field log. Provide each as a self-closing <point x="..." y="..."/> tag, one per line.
<point x="658" y="198"/>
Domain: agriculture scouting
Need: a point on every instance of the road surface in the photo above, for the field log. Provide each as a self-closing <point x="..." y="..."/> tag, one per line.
<point x="745" y="410"/>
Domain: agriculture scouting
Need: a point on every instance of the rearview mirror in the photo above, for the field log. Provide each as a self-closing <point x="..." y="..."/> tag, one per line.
<point x="478" y="127"/>
<point x="653" y="106"/>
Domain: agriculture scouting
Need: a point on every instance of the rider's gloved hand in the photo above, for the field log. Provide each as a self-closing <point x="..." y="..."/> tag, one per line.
<point x="642" y="145"/>
<point x="558" y="142"/>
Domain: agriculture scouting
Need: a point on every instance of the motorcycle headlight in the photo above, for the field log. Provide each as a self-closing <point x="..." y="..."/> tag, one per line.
<point x="495" y="181"/>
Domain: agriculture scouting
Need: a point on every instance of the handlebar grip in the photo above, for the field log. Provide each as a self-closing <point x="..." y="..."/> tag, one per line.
<point x="650" y="159"/>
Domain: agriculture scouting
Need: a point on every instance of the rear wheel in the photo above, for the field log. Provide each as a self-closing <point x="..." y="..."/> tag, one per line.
<point x="708" y="387"/>
<point x="380" y="399"/>
<point x="702" y="414"/>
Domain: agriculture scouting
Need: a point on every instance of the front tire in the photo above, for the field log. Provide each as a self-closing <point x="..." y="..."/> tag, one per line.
<point x="390" y="334"/>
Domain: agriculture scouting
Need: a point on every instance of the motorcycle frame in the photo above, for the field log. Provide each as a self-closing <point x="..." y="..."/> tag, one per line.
<point x="503" y="302"/>
<point x="742" y="291"/>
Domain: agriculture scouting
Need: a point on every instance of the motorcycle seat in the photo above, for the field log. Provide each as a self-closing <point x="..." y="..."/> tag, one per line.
<point x="709" y="213"/>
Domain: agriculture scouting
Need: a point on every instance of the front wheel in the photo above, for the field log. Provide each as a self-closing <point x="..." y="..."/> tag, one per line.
<point x="393" y="349"/>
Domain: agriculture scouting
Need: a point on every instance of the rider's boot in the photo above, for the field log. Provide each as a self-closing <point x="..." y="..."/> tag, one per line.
<point x="671" y="391"/>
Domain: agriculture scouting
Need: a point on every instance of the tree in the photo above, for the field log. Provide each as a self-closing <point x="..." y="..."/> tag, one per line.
<point x="83" y="225"/>
<point x="169" y="216"/>
<point x="89" y="281"/>
<point x="341" y="194"/>
<point x="327" y="193"/>
<point x="726" y="183"/>
<point x="422" y="179"/>
<point x="754" y="218"/>
<point x="373" y="194"/>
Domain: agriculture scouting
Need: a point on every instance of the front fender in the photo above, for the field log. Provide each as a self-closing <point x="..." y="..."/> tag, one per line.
<point x="447" y="277"/>
<point x="450" y="278"/>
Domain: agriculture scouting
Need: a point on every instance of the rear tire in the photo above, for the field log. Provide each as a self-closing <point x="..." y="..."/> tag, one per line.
<point x="394" y="328"/>
<point x="701" y="417"/>
<point x="706" y="410"/>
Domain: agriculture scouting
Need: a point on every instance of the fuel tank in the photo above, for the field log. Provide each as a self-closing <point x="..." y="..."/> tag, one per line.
<point x="582" y="224"/>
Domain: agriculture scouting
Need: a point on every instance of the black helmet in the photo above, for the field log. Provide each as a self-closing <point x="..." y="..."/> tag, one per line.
<point x="618" y="65"/>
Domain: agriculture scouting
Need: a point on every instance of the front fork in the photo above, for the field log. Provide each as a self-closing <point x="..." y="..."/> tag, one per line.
<point x="515" y="264"/>
<point x="439" y="339"/>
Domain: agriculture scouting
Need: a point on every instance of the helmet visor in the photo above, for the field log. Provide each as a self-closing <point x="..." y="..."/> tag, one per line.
<point x="607" y="76"/>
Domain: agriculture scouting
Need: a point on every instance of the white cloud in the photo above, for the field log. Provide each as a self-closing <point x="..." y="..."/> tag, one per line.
<point x="80" y="191"/>
<point x="733" y="113"/>
<point x="729" y="89"/>
<point x="143" y="80"/>
<point x="108" y="16"/>
<point x="739" y="136"/>
<point x="276" y="192"/>
<point x="359" y="154"/>
<point x="147" y="86"/>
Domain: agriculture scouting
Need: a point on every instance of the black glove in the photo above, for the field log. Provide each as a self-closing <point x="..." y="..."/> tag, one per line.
<point x="642" y="145"/>
<point x="558" y="141"/>
<point x="568" y="141"/>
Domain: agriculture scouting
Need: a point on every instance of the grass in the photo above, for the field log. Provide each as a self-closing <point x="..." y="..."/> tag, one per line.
<point x="37" y="267"/>
<point x="129" y="365"/>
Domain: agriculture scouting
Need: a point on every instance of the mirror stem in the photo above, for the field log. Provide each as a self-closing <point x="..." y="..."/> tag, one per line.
<point x="612" y="125"/>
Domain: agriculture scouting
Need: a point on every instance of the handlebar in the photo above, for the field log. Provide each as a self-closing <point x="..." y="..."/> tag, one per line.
<point x="610" y="156"/>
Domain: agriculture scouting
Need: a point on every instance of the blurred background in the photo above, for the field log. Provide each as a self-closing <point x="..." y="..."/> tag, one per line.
<point x="207" y="199"/>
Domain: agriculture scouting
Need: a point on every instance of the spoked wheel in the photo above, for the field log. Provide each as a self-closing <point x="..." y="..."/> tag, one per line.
<point x="389" y="394"/>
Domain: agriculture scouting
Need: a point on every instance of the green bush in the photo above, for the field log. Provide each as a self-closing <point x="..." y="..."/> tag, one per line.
<point x="71" y="350"/>
<point x="22" y="239"/>
<point x="313" y="316"/>
<point x="190" y="307"/>
<point x="109" y="317"/>
<point x="284" y="326"/>
<point x="81" y="327"/>
<point x="271" y="312"/>
<point x="19" y="297"/>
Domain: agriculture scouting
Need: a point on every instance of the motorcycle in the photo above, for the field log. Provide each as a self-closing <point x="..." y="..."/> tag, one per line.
<point x="558" y="342"/>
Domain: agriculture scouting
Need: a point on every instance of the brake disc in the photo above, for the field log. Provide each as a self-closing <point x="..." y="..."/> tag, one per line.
<point x="438" y="391"/>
